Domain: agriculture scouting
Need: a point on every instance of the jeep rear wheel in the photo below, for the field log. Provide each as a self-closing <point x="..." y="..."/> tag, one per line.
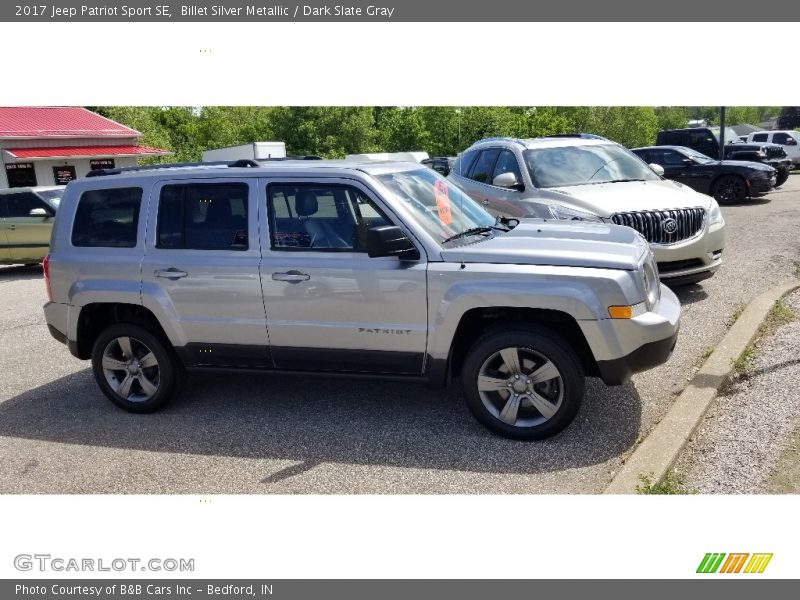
<point x="134" y="368"/>
<point x="524" y="384"/>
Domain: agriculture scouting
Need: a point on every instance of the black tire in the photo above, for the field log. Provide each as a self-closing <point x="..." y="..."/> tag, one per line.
<point x="729" y="189"/>
<point x="168" y="367"/>
<point x="528" y="341"/>
<point x="783" y="175"/>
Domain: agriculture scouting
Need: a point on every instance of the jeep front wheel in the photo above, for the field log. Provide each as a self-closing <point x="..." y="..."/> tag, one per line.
<point x="524" y="384"/>
<point x="134" y="368"/>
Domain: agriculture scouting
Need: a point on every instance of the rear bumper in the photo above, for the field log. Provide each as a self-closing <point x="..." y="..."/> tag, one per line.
<point x="59" y="336"/>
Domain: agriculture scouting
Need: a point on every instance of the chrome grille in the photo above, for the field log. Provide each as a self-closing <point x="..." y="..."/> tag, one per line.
<point x="651" y="223"/>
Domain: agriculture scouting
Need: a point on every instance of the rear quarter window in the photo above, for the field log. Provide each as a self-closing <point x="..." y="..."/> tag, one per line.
<point x="107" y="218"/>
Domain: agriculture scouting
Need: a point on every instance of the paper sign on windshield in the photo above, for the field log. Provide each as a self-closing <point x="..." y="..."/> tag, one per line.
<point x="440" y="193"/>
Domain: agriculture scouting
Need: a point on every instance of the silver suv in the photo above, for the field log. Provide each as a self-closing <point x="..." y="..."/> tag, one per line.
<point x="326" y="267"/>
<point x="589" y="178"/>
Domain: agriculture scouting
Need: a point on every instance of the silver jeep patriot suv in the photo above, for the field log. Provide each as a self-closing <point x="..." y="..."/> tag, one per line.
<point x="327" y="267"/>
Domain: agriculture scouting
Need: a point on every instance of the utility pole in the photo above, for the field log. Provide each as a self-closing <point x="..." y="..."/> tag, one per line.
<point x="722" y="133"/>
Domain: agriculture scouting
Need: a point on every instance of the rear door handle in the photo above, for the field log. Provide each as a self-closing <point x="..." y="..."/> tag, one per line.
<point x="291" y="277"/>
<point x="171" y="273"/>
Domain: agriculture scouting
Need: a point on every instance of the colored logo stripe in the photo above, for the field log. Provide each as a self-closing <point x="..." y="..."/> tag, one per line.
<point x="710" y="562"/>
<point x="733" y="564"/>
<point x="758" y="563"/>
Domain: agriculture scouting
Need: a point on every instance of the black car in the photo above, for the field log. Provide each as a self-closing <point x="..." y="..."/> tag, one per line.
<point x="728" y="180"/>
<point x="706" y="141"/>
<point x="440" y="164"/>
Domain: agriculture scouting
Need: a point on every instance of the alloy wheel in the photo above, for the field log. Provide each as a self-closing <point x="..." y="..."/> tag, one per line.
<point x="520" y="386"/>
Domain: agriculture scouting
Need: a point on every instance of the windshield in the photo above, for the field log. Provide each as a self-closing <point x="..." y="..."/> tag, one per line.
<point x="695" y="155"/>
<point x="52" y="197"/>
<point x="563" y="166"/>
<point x="439" y="207"/>
<point x="731" y="137"/>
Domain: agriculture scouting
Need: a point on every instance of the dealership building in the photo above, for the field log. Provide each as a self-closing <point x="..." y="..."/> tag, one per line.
<point x="54" y="145"/>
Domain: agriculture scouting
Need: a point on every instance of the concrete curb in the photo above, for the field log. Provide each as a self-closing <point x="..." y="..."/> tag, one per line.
<point x="659" y="450"/>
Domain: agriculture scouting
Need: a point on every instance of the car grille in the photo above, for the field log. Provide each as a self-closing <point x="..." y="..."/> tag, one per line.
<point x="657" y="225"/>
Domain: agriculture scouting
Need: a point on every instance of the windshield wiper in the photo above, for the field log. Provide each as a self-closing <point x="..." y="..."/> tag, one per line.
<point x="471" y="231"/>
<point x="615" y="181"/>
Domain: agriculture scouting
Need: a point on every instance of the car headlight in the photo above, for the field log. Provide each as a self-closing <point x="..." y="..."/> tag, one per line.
<point x="564" y="213"/>
<point x="715" y="213"/>
<point x="652" y="285"/>
<point x="652" y="293"/>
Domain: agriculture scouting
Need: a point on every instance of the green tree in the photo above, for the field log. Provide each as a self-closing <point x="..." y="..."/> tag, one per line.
<point x="329" y="131"/>
<point x="789" y="117"/>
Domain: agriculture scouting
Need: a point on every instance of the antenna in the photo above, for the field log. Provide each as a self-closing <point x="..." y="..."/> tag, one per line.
<point x="461" y="192"/>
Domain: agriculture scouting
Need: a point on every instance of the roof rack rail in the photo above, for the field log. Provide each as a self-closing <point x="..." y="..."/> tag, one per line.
<point x="501" y="138"/>
<point x="241" y="163"/>
<point x="583" y="136"/>
<point x="299" y="157"/>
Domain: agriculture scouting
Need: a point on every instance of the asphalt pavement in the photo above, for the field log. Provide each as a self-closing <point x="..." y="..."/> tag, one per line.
<point x="252" y="433"/>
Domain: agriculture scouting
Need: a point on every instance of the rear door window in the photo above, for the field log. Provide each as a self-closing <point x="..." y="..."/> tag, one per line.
<point x="760" y="137"/>
<point x="107" y="218"/>
<point x="203" y="216"/>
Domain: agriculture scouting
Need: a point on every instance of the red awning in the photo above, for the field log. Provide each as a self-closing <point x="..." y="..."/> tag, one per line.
<point x="85" y="151"/>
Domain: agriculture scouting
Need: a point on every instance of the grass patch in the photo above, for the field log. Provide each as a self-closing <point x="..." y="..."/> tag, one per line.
<point x="707" y="351"/>
<point x="672" y="484"/>
<point x="744" y="364"/>
<point x="779" y="315"/>
<point x="737" y="312"/>
<point x="797" y="269"/>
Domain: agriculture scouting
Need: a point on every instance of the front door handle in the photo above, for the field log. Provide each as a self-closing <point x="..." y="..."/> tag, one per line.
<point x="486" y="201"/>
<point x="291" y="277"/>
<point x="12" y="227"/>
<point x="172" y="273"/>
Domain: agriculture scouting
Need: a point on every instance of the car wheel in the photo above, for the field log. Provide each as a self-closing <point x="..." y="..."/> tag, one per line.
<point x="523" y="383"/>
<point x="729" y="189"/>
<point x="135" y="369"/>
<point x="783" y="175"/>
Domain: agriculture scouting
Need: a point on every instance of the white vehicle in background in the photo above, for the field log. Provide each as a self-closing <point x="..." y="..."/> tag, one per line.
<point x="790" y="140"/>
<point x="252" y="151"/>
<point x="416" y="157"/>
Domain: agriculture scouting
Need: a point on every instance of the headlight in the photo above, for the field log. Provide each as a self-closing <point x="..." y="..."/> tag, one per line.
<point x="571" y="214"/>
<point x="652" y="286"/>
<point x="715" y="213"/>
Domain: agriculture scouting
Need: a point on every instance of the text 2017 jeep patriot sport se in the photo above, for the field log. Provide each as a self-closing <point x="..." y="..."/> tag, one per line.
<point x="328" y="267"/>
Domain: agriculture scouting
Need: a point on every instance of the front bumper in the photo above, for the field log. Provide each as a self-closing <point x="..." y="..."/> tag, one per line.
<point x="619" y="370"/>
<point x="622" y="347"/>
<point x="759" y="187"/>
<point x="693" y="259"/>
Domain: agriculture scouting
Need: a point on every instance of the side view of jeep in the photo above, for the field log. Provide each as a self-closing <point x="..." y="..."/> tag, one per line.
<point x="326" y="268"/>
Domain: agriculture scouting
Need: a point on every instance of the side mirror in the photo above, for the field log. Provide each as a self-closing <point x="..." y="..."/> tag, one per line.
<point x="389" y="240"/>
<point x="790" y="142"/>
<point x="39" y="212"/>
<point x="508" y="180"/>
<point x="658" y="169"/>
